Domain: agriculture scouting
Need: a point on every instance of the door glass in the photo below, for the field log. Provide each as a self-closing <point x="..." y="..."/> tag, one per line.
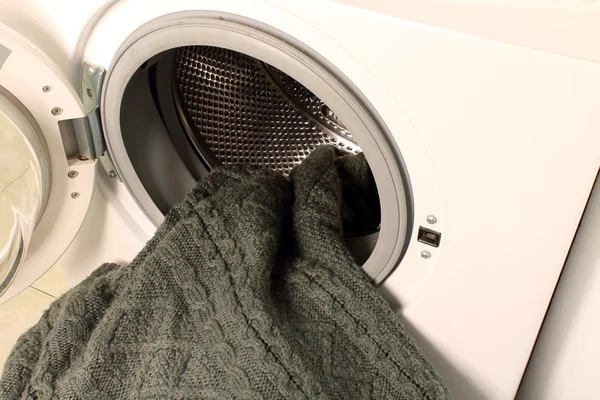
<point x="20" y="198"/>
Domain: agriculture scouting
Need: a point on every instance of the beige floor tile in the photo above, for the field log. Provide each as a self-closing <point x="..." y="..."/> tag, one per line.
<point x="19" y="314"/>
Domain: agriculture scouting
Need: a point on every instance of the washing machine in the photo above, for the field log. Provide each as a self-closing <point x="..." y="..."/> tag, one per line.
<point x="479" y="121"/>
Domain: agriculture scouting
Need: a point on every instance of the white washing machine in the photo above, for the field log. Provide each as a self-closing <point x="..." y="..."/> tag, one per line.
<point x="479" y="121"/>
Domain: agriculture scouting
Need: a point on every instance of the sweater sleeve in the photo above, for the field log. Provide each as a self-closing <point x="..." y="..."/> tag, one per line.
<point x="36" y="349"/>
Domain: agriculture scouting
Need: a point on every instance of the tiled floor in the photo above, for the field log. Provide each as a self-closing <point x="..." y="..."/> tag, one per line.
<point x="19" y="314"/>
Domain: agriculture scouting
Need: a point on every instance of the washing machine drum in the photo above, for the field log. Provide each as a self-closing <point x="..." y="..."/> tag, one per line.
<point x="239" y="110"/>
<point x="246" y="111"/>
<point x="231" y="108"/>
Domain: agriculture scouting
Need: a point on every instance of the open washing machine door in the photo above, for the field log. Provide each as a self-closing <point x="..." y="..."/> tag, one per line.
<point x="45" y="191"/>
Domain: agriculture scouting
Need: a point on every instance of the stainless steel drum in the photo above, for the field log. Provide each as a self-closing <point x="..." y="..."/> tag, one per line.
<point x="239" y="110"/>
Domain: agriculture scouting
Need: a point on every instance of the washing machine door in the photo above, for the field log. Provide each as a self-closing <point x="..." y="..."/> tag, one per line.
<point x="46" y="178"/>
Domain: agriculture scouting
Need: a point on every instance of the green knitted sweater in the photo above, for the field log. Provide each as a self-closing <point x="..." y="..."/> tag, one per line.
<point x="246" y="291"/>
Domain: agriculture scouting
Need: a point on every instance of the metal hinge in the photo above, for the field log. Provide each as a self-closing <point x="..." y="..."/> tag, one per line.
<point x="88" y="130"/>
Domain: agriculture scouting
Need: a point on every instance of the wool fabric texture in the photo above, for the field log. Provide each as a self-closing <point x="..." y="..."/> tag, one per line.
<point x="246" y="291"/>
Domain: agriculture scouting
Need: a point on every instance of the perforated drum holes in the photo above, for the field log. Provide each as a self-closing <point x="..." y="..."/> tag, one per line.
<point x="248" y="112"/>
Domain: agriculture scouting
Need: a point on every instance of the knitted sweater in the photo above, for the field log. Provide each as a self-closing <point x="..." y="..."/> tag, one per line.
<point x="246" y="291"/>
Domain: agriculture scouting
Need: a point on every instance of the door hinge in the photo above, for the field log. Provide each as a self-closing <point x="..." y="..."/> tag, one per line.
<point x="88" y="130"/>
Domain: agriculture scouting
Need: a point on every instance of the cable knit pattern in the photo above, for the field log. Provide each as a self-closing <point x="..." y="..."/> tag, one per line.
<point x="246" y="291"/>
